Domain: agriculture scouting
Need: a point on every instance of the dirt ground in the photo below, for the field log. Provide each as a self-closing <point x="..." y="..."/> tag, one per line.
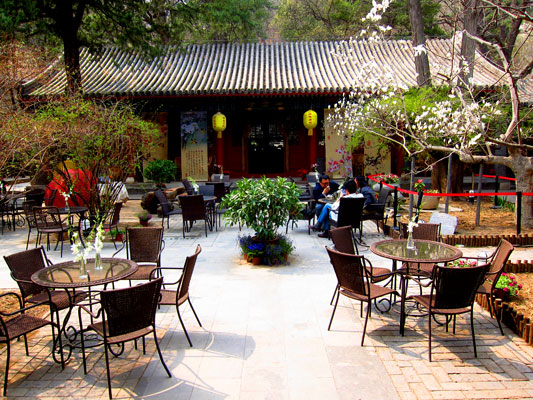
<point x="524" y="301"/>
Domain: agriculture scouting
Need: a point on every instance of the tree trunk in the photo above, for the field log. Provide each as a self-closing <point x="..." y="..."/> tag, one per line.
<point x="468" y="45"/>
<point x="72" y="65"/>
<point x="523" y="171"/>
<point x="423" y="77"/>
<point x="439" y="175"/>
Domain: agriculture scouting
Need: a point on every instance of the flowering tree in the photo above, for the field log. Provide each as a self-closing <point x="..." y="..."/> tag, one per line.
<point x="460" y="121"/>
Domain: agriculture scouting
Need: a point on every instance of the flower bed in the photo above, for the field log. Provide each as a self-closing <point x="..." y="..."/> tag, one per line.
<point x="272" y="252"/>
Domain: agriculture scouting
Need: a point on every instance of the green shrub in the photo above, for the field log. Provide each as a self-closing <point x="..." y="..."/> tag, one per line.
<point x="161" y="171"/>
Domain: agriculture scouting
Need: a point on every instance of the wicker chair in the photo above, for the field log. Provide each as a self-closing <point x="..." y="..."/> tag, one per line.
<point x="144" y="246"/>
<point x="112" y="219"/>
<point x="22" y="266"/>
<point x="188" y="186"/>
<point x="307" y="214"/>
<point x="48" y="220"/>
<point x="193" y="209"/>
<point x="166" y="207"/>
<point x="15" y="324"/>
<point x="126" y="314"/>
<point x="350" y="213"/>
<point x="27" y="206"/>
<point x="181" y="294"/>
<point x="453" y="291"/>
<point x="377" y="209"/>
<point x="355" y="282"/>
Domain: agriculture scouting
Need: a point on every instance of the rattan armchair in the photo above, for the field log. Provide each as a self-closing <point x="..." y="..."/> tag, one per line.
<point x="453" y="291"/>
<point x="355" y="282"/>
<point x="376" y="212"/>
<point x="27" y="207"/>
<point x="193" y="209"/>
<point x="48" y="221"/>
<point x="112" y="219"/>
<point x="126" y="315"/>
<point x="349" y="213"/>
<point x="167" y="209"/>
<point x="15" y="324"/>
<point x="181" y="294"/>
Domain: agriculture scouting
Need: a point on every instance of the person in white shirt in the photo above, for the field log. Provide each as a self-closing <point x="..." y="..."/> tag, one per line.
<point x="329" y="211"/>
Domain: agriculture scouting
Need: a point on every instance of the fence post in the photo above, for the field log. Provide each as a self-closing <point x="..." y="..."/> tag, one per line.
<point x="419" y="204"/>
<point x="496" y="190"/>
<point x="448" y="184"/>
<point x="479" y="187"/>
<point x="518" y="212"/>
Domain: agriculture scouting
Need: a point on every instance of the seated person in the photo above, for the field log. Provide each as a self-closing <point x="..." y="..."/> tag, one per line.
<point x="365" y="190"/>
<point x="329" y="211"/>
<point x="323" y="188"/>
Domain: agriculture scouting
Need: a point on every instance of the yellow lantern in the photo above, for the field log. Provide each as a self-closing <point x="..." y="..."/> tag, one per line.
<point x="310" y="121"/>
<point x="219" y="123"/>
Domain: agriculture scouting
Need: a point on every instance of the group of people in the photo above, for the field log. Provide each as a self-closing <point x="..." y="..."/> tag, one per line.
<point x="356" y="187"/>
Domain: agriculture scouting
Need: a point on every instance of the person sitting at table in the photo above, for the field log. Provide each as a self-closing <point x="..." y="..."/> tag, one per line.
<point x="329" y="211"/>
<point x="322" y="189"/>
<point x="365" y="190"/>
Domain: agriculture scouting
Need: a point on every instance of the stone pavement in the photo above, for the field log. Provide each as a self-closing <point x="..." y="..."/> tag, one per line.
<point x="265" y="336"/>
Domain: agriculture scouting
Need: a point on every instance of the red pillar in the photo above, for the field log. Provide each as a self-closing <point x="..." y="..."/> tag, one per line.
<point x="312" y="148"/>
<point x="220" y="149"/>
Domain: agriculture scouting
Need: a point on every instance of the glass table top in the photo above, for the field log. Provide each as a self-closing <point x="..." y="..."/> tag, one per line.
<point x="68" y="274"/>
<point x="425" y="250"/>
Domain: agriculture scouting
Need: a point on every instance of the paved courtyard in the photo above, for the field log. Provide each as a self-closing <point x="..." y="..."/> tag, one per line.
<point x="265" y="336"/>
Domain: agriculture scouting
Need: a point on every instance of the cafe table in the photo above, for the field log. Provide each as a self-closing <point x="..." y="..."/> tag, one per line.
<point x="425" y="251"/>
<point x="71" y="276"/>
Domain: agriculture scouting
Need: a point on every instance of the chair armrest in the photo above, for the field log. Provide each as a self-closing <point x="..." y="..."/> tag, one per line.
<point x="419" y="282"/>
<point x="88" y="311"/>
<point x="119" y="250"/>
<point x="22" y="310"/>
<point x="159" y="269"/>
<point x="19" y="298"/>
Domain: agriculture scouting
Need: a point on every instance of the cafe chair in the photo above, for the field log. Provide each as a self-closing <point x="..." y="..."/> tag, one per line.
<point x="111" y="221"/>
<point x="376" y="212"/>
<point x="48" y="221"/>
<point x="453" y="291"/>
<point x="193" y="209"/>
<point x="125" y="315"/>
<point x="167" y="208"/>
<point x="48" y="201"/>
<point x="349" y="213"/>
<point x="18" y="323"/>
<point x="144" y="246"/>
<point x="22" y="266"/>
<point x="496" y="261"/>
<point x="181" y="294"/>
<point x="27" y="207"/>
<point x="307" y="214"/>
<point x="354" y="282"/>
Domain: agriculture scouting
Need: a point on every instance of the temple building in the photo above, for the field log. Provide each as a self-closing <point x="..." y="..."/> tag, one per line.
<point x="263" y="91"/>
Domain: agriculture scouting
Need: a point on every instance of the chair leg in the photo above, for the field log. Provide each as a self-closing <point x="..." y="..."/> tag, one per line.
<point x="492" y="307"/>
<point x="183" y="326"/>
<point x="194" y="312"/>
<point x="144" y="345"/>
<point x="429" y="340"/>
<point x="334" y="308"/>
<point x="334" y="293"/>
<point x="472" y="328"/>
<point x="368" y="307"/>
<point x="26" y="345"/>
<point x="107" y="369"/>
<point x="161" y="355"/>
<point x="8" y="353"/>
<point x="82" y="341"/>
<point x="28" y="240"/>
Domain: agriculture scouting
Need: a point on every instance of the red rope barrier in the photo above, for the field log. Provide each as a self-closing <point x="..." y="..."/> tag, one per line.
<point x="372" y="177"/>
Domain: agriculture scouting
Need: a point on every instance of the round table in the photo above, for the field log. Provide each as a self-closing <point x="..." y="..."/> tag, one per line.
<point x="67" y="275"/>
<point x="426" y="251"/>
<point x="325" y="200"/>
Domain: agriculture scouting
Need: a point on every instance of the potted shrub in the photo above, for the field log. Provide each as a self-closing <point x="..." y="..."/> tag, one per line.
<point x="391" y="179"/>
<point x="263" y="205"/>
<point x="160" y="171"/>
<point x="144" y="217"/>
<point x="118" y="236"/>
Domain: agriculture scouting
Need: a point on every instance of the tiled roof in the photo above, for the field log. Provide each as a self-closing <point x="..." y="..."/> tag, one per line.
<point x="252" y="68"/>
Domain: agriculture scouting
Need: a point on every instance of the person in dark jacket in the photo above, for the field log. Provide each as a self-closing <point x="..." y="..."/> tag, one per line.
<point x="365" y="190"/>
<point x="322" y="189"/>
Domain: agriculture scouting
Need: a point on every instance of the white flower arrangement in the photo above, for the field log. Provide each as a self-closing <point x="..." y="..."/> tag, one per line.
<point x="80" y="253"/>
<point x="99" y="238"/>
<point x="412" y="224"/>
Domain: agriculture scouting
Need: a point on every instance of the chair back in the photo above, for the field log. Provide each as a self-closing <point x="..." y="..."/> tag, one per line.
<point x="188" y="268"/>
<point x="47" y="217"/>
<point x="499" y="260"/>
<point x="188" y="186"/>
<point x="36" y="195"/>
<point x="193" y="207"/>
<point x="219" y="191"/>
<point x="311" y="177"/>
<point x="454" y="287"/>
<point x="23" y="265"/>
<point x="207" y="190"/>
<point x="350" y="212"/>
<point x="130" y="309"/>
<point x="50" y="200"/>
<point x="114" y="216"/>
<point x="343" y="240"/>
<point x="144" y="244"/>
<point x="350" y="271"/>
<point x="27" y="207"/>
<point x="162" y="199"/>
<point x="383" y="195"/>
<point x="423" y="232"/>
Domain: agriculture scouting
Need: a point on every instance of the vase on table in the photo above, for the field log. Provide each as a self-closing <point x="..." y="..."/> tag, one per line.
<point x="83" y="269"/>
<point x="98" y="261"/>
<point x="410" y="241"/>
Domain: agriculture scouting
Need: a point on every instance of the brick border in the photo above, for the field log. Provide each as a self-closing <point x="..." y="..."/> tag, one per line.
<point x="487" y="240"/>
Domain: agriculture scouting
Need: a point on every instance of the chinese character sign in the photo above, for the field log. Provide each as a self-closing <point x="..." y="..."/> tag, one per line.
<point x="194" y="144"/>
